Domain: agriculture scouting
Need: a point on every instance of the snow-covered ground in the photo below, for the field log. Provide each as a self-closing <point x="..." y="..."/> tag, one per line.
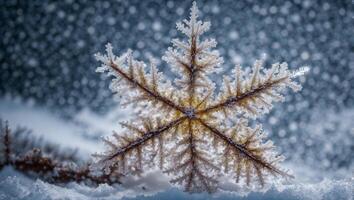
<point x="16" y="186"/>
<point x="84" y="132"/>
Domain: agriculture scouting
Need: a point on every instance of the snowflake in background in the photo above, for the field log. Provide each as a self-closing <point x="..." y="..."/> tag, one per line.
<point x="193" y="133"/>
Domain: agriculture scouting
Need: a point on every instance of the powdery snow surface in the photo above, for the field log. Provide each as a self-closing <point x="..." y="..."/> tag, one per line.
<point x="15" y="186"/>
<point x="84" y="132"/>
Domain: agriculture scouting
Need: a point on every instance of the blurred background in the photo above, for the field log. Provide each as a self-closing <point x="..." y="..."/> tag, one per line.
<point x="48" y="69"/>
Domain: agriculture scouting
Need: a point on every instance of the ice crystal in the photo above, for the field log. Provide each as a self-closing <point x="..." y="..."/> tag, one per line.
<point x="189" y="130"/>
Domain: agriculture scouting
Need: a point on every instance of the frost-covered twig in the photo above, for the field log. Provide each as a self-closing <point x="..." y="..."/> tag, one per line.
<point x="58" y="168"/>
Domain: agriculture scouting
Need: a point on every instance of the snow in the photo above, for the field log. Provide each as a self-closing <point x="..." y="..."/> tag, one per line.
<point x="16" y="186"/>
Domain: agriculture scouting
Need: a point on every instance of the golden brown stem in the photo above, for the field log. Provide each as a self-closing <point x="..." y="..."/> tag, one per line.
<point x="192" y="73"/>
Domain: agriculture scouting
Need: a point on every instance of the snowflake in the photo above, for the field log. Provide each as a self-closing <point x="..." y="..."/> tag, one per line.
<point x="193" y="133"/>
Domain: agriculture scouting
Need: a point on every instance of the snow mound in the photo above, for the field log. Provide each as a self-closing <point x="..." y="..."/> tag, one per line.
<point x="16" y="186"/>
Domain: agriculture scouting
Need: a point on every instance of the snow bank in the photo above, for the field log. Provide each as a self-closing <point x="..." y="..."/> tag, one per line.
<point x="16" y="186"/>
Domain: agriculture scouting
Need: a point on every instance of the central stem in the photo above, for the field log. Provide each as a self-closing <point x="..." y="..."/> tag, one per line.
<point x="192" y="70"/>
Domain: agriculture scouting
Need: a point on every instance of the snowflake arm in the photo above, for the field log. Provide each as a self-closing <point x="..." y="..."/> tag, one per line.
<point x="191" y="162"/>
<point x="253" y="94"/>
<point x="247" y="149"/>
<point x="137" y="138"/>
<point x="193" y="59"/>
<point x="135" y="76"/>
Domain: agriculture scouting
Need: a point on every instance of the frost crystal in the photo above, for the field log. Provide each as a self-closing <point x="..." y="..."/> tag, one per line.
<point x="191" y="132"/>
